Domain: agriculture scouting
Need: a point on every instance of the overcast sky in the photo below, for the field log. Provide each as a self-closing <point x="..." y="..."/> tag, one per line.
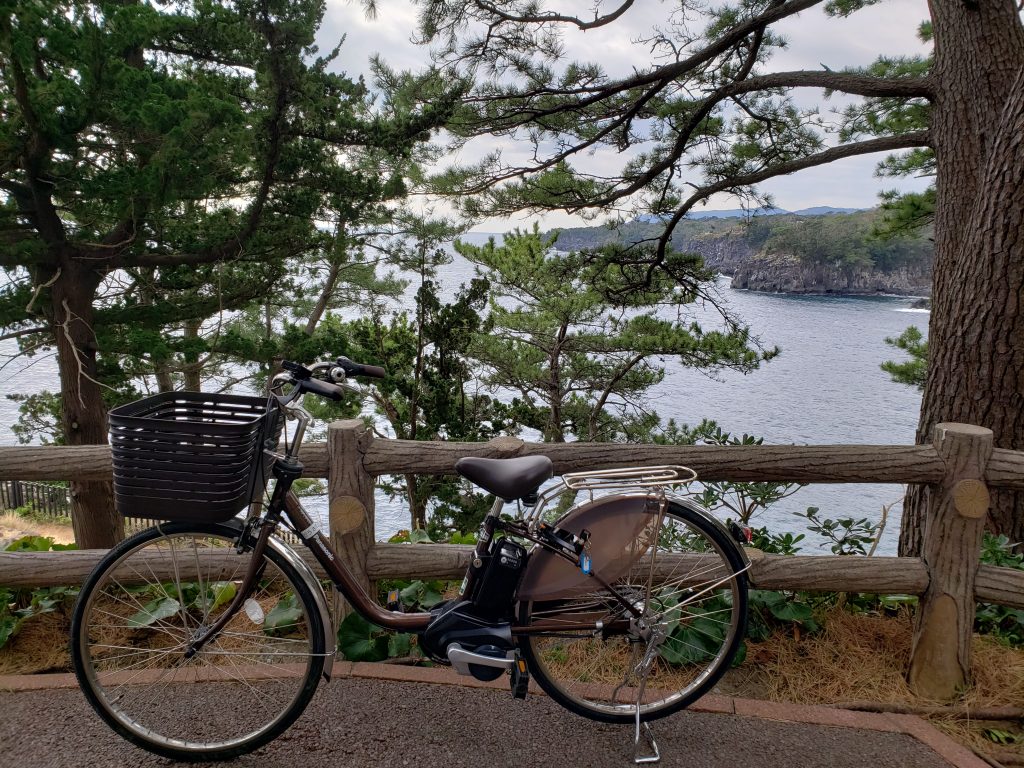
<point x="815" y="41"/>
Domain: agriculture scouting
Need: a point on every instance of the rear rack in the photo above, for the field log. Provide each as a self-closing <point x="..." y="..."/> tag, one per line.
<point x="650" y="481"/>
<point x="628" y="477"/>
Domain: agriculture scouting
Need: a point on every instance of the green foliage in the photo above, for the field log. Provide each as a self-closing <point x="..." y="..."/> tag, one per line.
<point x="285" y="615"/>
<point x="430" y="392"/>
<point x="421" y="595"/>
<point x="169" y="598"/>
<point x="1003" y="737"/>
<point x="190" y="154"/>
<point x="847" y="241"/>
<point x="579" y="345"/>
<point x="849" y="536"/>
<point x="775" y="543"/>
<point x="905" y="213"/>
<point x="29" y="512"/>
<point x="912" y="371"/>
<point x="1004" y="623"/>
<point x="37" y="544"/>
<point x="770" y="609"/>
<point x="359" y="640"/>
<point x="698" y="636"/>
<point x="38" y="418"/>
<point x="309" y="486"/>
<point x="153" y="611"/>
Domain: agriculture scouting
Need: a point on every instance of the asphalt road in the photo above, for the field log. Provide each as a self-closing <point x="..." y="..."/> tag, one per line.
<point x="356" y="722"/>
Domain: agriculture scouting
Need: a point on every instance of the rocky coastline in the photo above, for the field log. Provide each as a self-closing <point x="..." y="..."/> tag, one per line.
<point x="777" y="273"/>
<point x="756" y="260"/>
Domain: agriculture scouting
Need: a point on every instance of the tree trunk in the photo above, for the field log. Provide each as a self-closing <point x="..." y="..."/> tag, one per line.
<point x="976" y="335"/>
<point x="193" y="367"/>
<point x="417" y="506"/>
<point x="84" y="415"/>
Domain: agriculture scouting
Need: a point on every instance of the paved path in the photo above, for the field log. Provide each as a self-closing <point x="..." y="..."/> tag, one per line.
<point x="418" y="718"/>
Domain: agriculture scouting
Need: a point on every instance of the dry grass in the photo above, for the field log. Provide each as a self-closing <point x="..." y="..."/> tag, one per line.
<point x="40" y="646"/>
<point x="861" y="657"/>
<point x="13" y="526"/>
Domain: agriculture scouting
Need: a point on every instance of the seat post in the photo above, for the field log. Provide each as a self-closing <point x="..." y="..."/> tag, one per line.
<point x="483" y="543"/>
<point x="483" y="539"/>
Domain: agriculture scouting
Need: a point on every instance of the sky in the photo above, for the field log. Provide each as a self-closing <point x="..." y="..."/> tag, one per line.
<point x="814" y="41"/>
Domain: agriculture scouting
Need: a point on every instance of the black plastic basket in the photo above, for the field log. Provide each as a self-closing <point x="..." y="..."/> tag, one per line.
<point x="190" y="456"/>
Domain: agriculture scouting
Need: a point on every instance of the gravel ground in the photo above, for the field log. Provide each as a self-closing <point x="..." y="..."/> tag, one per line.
<point x="356" y="723"/>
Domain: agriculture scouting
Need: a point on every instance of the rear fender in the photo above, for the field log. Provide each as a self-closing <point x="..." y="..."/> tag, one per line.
<point x="621" y="528"/>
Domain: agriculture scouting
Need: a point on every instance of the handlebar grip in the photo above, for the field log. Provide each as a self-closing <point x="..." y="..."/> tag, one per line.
<point x="374" y="372"/>
<point x="358" y="369"/>
<point x="322" y="388"/>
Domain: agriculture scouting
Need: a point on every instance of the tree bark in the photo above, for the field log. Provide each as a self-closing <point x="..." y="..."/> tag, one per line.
<point x="193" y="367"/>
<point x="84" y="415"/>
<point x="976" y="334"/>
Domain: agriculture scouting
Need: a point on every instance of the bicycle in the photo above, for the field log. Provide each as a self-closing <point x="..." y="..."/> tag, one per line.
<point x="205" y="637"/>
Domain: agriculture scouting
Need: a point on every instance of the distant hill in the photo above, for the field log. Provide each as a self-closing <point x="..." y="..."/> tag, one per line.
<point x="736" y="213"/>
<point x="825" y="210"/>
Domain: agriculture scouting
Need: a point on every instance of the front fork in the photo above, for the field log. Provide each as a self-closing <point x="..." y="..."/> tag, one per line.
<point x="286" y="471"/>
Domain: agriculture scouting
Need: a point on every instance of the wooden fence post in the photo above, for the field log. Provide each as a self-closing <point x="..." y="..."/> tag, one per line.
<point x="350" y="494"/>
<point x="940" y="660"/>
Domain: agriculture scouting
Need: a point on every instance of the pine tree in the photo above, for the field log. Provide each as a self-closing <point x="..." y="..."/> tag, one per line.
<point x="579" y="351"/>
<point x="140" y="140"/>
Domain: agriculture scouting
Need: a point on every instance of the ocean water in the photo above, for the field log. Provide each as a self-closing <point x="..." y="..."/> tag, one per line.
<point x="825" y="387"/>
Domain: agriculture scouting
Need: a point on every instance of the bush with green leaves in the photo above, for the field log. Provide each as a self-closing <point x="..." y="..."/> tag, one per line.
<point x="849" y="536"/>
<point x="19" y="605"/>
<point x="1002" y="622"/>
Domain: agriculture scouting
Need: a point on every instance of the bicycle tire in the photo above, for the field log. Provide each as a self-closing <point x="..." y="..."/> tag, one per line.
<point x="141" y="605"/>
<point x="701" y="604"/>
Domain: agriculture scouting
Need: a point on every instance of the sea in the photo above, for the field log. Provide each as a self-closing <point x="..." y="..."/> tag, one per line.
<point x="825" y="387"/>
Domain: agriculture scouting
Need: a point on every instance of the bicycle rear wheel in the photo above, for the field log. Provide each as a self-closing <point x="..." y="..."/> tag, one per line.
<point x="691" y="594"/>
<point x="143" y="604"/>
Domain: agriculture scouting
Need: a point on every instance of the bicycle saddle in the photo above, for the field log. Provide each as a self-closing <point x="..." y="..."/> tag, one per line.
<point x="507" y="478"/>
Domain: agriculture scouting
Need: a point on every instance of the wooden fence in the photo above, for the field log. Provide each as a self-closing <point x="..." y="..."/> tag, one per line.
<point x="44" y="499"/>
<point x="958" y="468"/>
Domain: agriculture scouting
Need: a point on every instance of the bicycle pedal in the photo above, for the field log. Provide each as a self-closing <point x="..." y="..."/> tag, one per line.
<point x="394" y="604"/>
<point x="520" y="678"/>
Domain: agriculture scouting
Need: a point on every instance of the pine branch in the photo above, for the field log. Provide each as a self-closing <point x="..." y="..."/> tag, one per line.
<point x="845" y="82"/>
<point x="883" y="144"/>
<point x="668" y="72"/>
<point x="555" y="18"/>
<point x="24" y="332"/>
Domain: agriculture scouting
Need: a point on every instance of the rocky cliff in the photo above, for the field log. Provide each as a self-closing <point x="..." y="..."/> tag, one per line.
<point x="787" y="253"/>
<point x="780" y="273"/>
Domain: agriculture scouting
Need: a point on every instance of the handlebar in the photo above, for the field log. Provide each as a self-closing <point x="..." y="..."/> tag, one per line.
<point x="324" y="379"/>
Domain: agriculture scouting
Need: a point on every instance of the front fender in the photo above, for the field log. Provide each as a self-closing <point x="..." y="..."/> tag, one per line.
<point x="307" y="575"/>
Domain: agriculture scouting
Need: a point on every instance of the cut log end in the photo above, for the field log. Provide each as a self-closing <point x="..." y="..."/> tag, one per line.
<point x="971" y="498"/>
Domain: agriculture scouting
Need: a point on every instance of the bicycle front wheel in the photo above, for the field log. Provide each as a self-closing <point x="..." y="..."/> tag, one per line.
<point x="686" y="618"/>
<point x="144" y="603"/>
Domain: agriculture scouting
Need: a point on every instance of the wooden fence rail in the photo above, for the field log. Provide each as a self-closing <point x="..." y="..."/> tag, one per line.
<point x="958" y="467"/>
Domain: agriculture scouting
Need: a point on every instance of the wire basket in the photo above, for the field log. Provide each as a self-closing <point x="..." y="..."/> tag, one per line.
<point x="191" y="456"/>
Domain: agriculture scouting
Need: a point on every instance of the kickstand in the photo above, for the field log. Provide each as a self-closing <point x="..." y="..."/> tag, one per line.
<point x="652" y="755"/>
